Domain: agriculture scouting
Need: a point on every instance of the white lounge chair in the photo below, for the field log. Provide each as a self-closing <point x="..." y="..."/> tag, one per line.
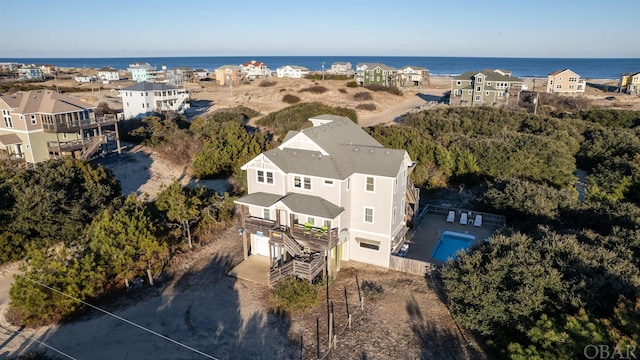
<point x="451" y="217"/>
<point x="463" y="218"/>
<point x="478" y="221"/>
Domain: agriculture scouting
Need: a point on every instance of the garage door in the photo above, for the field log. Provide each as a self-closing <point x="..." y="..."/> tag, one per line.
<point x="261" y="246"/>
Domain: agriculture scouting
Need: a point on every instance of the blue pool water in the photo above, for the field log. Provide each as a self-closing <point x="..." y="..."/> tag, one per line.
<point x="450" y="243"/>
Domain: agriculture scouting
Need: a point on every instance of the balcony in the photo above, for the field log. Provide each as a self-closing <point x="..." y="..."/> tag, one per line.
<point x="76" y="125"/>
<point x="314" y="239"/>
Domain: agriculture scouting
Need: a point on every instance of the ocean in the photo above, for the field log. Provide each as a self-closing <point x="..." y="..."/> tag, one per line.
<point x="452" y="66"/>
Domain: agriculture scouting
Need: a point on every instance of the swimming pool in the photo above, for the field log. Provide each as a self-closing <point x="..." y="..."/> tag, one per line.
<point x="450" y="243"/>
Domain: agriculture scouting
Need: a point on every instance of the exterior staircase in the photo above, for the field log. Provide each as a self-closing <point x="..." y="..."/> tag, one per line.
<point x="292" y="246"/>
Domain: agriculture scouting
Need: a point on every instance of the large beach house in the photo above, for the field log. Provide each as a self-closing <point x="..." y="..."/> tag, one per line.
<point x="565" y="81"/>
<point x="254" y="70"/>
<point x="147" y="98"/>
<point x="330" y="192"/>
<point x="630" y="83"/>
<point x="487" y="87"/>
<point x="39" y="125"/>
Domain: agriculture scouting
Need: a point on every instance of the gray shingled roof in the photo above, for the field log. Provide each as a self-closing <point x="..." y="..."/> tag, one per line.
<point x="311" y="205"/>
<point x="259" y="199"/>
<point x="489" y="76"/>
<point x="297" y="203"/>
<point x="351" y="150"/>
<point x="149" y="86"/>
<point x="44" y="101"/>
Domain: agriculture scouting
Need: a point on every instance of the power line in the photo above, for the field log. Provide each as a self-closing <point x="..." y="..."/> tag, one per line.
<point x="39" y="342"/>
<point x="123" y="319"/>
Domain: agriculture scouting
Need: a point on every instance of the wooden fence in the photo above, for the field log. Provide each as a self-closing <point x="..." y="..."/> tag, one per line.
<point x="410" y="266"/>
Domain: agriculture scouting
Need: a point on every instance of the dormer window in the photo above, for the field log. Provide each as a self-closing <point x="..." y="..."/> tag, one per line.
<point x="265" y="177"/>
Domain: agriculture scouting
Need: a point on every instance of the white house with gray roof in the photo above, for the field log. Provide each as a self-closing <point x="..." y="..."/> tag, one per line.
<point x="147" y="98"/>
<point x="329" y="191"/>
<point x="292" y="71"/>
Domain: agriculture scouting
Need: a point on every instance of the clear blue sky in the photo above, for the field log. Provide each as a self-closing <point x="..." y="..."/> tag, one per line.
<point x="493" y="28"/>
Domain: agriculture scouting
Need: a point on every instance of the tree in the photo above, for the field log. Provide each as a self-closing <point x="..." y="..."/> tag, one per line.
<point x="124" y="243"/>
<point x="179" y="207"/>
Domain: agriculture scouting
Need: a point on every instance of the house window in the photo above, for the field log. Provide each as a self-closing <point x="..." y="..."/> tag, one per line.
<point x="143" y="105"/>
<point x="369" y="184"/>
<point x="368" y="244"/>
<point x="486" y="93"/>
<point x="478" y="88"/>
<point x="571" y="87"/>
<point x="265" y="176"/>
<point x="470" y="92"/>
<point x="348" y="184"/>
<point x="33" y="120"/>
<point x="328" y="182"/>
<point x="307" y="183"/>
<point x="478" y="98"/>
<point x="457" y="92"/>
<point x="368" y="215"/>
<point x="459" y="83"/>
<point x="300" y="182"/>
<point x="297" y="182"/>
<point x="488" y="83"/>
<point x="266" y="214"/>
<point x="6" y="114"/>
<point x="559" y="86"/>
<point x="394" y="213"/>
<point x="479" y="80"/>
<point x="311" y="220"/>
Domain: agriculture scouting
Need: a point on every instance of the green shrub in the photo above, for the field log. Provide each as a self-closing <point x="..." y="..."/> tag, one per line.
<point x="316" y="89"/>
<point x="361" y="96"/>
<point x="296" y="117"/>
<point x="266" y="83"/>
<point x="390" y="89"/>
<point x="352" y="84"/>
<point x="290" y="99"/>
<point x="368" y="106"/>
<point x="292" y="294"/>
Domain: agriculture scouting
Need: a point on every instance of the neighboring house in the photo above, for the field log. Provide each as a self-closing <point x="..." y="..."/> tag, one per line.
<point x="48" y="69"/>
<point x="341" y="68"/>
<point x="179" y="75"/>
<point x="292" y="71"/>
<point x="491" y="88"/>
<point x="253" y="70"/>
<point x="108" y="74"/>
<point x="412" y="76"/>
<point x="9" y="67"/>
<point x="141" y="71"/>
<point x="379" y="74"/>
<point x="147" y="98"/>
<point x="330" y="191"/>
<point x="227" y="74"/>
<point x="39" y="125"/>
<point x="200" y="73"/>
<point x="630" y="83"/>
<point x="32" y="73"/>
<point x="565" y="81"/>
<point x="85" y="78"/>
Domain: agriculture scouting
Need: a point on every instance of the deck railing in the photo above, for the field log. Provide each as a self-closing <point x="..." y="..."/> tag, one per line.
<point x="75" y="125"/>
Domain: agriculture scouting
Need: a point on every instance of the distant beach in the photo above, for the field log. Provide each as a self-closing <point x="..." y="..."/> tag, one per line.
<point x="439" y="66"/>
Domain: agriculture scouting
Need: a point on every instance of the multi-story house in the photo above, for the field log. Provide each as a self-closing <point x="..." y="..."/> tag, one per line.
<point x="179" y="75"/>
<point x="200" y="73"/>
<point x="254" y="69"/>
<point x="412" y="76"/>
<point x="9" y="67"/>
<point x="39" y="125"/>
<point x="108" y="74"/>
<point x="227" y="74"/>
<point x="492" y="88"/>
<point x="341" y="68"/>
<point x="292" y="71"/>
<point x="31" y="73"/>
<point x="142" y="71"/>
<point x="147" y="98"/>
<point x="379" y="74"/>
<point x="630" y="83"/>
<point x="565" y="81"/>
<point x="330" y="192"/>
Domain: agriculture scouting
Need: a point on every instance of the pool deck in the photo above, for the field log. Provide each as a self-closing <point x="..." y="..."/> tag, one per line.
<point x="426" y="235"/>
